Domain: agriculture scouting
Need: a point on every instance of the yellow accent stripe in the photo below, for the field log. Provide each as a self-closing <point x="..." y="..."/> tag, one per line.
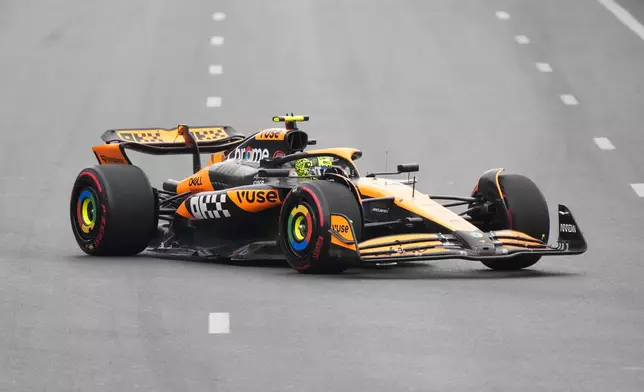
<point x="297" y="231"/>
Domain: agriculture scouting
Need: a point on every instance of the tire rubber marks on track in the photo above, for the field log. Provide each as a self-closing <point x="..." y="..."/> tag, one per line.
<point x="218" y="323"/>
<point x="624" y="16"/>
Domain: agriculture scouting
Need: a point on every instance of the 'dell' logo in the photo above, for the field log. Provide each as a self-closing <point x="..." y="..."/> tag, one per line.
<point x="195" y="181"/>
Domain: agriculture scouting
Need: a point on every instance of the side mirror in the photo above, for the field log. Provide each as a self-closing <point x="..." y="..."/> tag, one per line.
<point x="408" y="168"/>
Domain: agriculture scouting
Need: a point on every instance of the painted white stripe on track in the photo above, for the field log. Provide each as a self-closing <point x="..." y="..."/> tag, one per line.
<point x="218" y="323"/>
<point x="569" y="99"/>
<point x="522" y="39"/>
<point x="215" y="69"/>
<point x="502" y="15"/>
<point x="218" y="16"/>
<point x="216" y="40"/>
<point x="639" y="189"/>
<point x="213" y="102"/>
<point x="624" y="16"/>
<point x="604" y="143"/>
<point x="544" y="67"/>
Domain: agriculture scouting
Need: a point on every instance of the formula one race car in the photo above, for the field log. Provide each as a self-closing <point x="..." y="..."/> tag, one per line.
<point x="264" y="197"/>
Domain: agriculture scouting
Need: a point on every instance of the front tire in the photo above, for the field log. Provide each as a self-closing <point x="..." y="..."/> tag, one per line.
<point x="528" y="213"/>
<point x="305" y="221"/>
<point x="113" y="210"/>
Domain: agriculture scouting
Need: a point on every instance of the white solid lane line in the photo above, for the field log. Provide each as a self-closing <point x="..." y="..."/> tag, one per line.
<point x="502" y="15"/>
<point x="218" y="16"/>
<point x="639" y="189"/>
<point x="569" y="99"/>
<point x="522" y="39"/>
<point x="215" y="69"/>
<point x="624" y="16"/>
<point x="213" y="102"/>
<point x="217" y="40"/>
<point x="218" y="323"/>
<point x="604" y="143"/>
<point x="544" y="67"/>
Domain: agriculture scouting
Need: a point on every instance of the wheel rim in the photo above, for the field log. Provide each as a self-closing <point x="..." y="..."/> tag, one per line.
<point x="87" y="213"/>
<point x="299" y="228"/>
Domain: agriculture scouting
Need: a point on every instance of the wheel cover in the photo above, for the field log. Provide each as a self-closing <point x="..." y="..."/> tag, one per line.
<point x="299" y="228"/>
<point x="86" y="212"/>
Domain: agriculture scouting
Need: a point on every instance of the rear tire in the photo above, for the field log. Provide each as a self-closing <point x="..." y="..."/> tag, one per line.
<point x="113" y="210"/>
<point x="305" y="221"/>
<point x="528" y="213"/>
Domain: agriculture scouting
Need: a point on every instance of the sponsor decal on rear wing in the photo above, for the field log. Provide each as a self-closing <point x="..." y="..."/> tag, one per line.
<point x="207" y="135"/>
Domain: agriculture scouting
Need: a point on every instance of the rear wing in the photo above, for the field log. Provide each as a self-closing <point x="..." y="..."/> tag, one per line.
<point x="158" y="141"/>
<point x="205" y="136"/>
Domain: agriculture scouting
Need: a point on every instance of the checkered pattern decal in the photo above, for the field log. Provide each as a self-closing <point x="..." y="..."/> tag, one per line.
<point x="170" y="136"/>
<point x="142" y="137"/>
<point x="209" y="206"/>
<point x="209" y="134"/>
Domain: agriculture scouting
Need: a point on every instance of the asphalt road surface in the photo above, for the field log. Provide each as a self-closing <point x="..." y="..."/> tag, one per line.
<point x="442" y="83"/>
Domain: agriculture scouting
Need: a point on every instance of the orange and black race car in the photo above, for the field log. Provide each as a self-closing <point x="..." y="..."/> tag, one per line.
<point x="264" y="196"/>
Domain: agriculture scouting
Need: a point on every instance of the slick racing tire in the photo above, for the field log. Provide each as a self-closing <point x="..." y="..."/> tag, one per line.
<point x="529" y="214"/>
<point x="113" y="210"/>
<point x="305" y="222"/>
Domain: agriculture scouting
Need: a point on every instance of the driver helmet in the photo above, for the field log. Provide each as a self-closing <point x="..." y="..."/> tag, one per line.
<point x="313" y="166"/>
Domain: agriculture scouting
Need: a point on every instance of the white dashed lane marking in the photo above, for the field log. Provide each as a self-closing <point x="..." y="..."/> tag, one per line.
<point x="604" y="143"/>
<point x="624" y="17"/>
<point x="569" y="99"/>
<point x="218" y="16"/>
<point x="218" y="323"/>
<point x="215" y="69"/>
<point x="639" y="189"/>
<point x="522" y="39"/>
<point x="502" y="15"/>
<point x="216" y="40"/>
<point x="213" y="102"/>
<point x="544" y="67"/>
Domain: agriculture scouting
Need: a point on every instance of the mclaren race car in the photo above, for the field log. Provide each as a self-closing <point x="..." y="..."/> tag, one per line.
<point x="265" y="197"/>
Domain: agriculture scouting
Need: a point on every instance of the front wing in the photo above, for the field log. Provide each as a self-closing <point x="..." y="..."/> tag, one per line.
<point x="501" y="244"/>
